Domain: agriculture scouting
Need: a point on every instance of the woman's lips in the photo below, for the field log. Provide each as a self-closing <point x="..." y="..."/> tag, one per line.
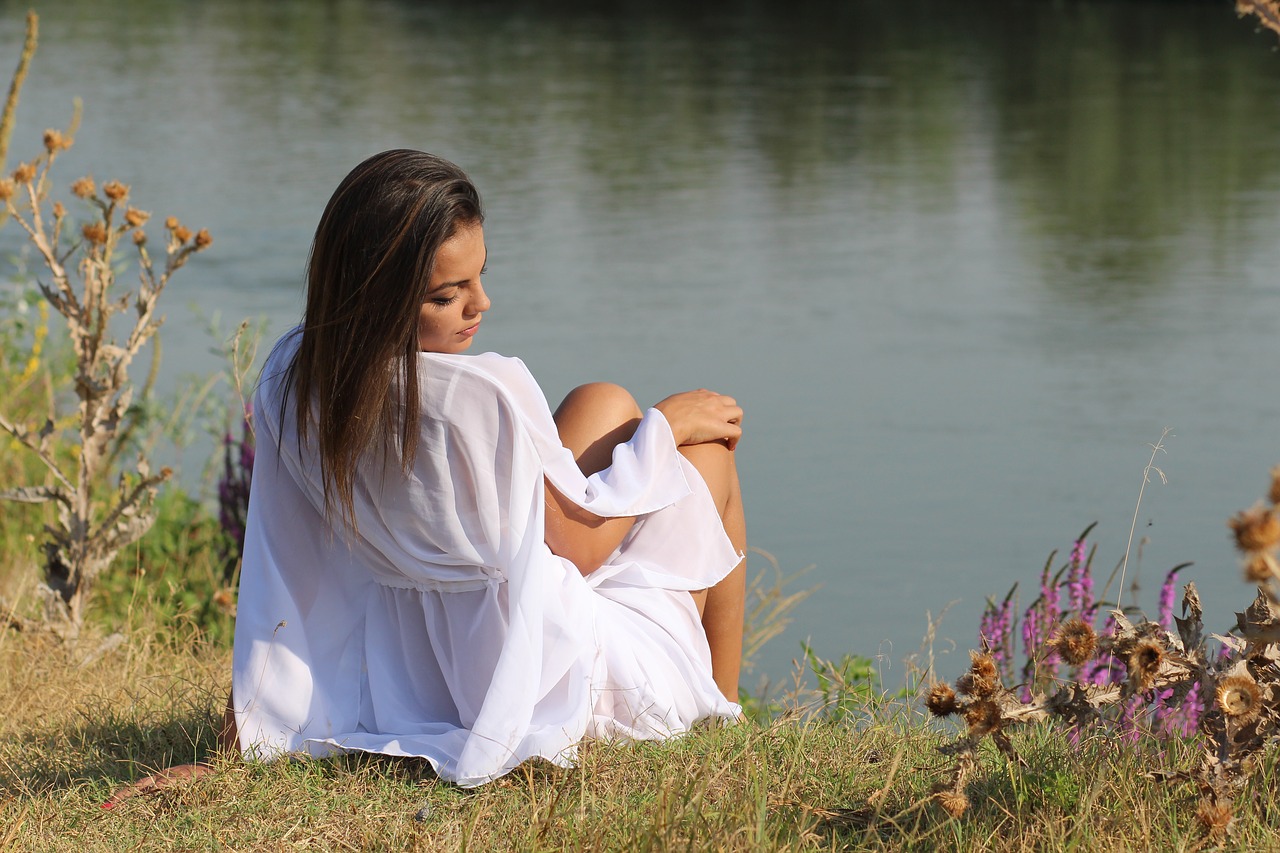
<point x="466" y="333"/>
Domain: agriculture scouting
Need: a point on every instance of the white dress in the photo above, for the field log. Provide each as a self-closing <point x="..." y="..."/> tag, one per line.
<point x="447" y="629"/>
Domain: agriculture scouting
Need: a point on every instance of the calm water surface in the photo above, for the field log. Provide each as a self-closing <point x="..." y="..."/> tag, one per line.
<point x="961" y="263"/>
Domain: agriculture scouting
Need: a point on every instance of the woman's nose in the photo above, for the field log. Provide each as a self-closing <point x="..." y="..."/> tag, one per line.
<point x="479" y="299"/>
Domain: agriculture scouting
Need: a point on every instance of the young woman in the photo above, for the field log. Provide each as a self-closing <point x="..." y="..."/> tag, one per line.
<point x="435" y="565"/>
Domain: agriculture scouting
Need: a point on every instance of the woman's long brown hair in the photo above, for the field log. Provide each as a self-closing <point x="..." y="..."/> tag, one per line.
<point x="367" y="277"/>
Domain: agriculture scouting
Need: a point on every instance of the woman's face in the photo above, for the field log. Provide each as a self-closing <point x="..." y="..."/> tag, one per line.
<point x="450" y="316"/>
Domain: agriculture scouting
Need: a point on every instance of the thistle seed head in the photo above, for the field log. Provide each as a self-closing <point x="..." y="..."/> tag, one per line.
<point x="58" y="210"/>
<point x="983" y="717"/>
<point x="225" y="600"/>
<point x="95" y="233"/>
<point x="1256" y="529"/>
<point x="1274" y="495"/>
<point x="1239" y="698"/>
<point x="1215" y="817"/>
<point x="954" y="803"/>
<point x="1076" y="641"/>
<point x="135" y="217"/>
<point x="54" y="141"/>
<point x="6" y="189"/>
<point x="115" y="190"/>
<point x="182" y="233"/>
<point x="203" y="238"/>
<point x="139" y="237"/>
<point x="84" y="188"/>
<point x="982" y="679"/>
<point x="941" y="700"/>
<point x="25" y="173"/>
<point x="1144" y="663"/>
<point x="172" y="223"/>
<point x="1261" y="567"/>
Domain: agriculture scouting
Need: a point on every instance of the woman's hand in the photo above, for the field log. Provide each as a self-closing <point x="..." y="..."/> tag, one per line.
<point x="700" y="416"/>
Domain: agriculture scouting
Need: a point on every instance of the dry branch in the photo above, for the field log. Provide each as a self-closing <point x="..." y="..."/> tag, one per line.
<point x="1266" y="11"/>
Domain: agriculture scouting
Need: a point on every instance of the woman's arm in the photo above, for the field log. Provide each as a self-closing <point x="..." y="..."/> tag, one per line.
<point x="583" y="538"/>
<point x="591" y="421"/>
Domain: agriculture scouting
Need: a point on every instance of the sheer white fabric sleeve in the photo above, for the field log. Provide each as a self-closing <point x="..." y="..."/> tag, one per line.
<point x="646" y="474"/>
<point x="295" y="610"/>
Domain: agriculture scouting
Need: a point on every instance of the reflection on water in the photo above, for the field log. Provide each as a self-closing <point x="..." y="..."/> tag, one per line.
<point x="960" y="262"/>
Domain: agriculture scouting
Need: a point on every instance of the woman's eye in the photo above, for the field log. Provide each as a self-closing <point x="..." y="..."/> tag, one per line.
<point x="445" y="300"/>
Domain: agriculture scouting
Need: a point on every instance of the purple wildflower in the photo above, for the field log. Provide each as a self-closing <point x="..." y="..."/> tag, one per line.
<point x="1031" y="640"/>
<point x="1130" y="714"/>
<point x="1167" y="590"/>
<point x="1037" y="627"/>
<point x="1105" y="668"/>
<point x="1184" y="719"/>
<point x="1049" y="592"/>
<point x="996" y="632"/>
<point x="1080" y="582"/>
<point x="233" y="492"/>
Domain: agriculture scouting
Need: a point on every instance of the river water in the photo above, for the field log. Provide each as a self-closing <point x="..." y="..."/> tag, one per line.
<point x="961" y="263"/>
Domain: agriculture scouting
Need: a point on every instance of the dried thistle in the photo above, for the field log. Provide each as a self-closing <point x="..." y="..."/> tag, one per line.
<point x="25" y="173"/>
<point x="135" y="218"/>
<point x="941" y="700"/>
<point x="172" y="223"/>
<point x="1256" y="529"/>
<point x="7" y="188"/>
<point x="182" y="233"/>
<point x="203" y="239"/>
<point x="115" y="190"/>
<point x="139" y="237"/>
<point x="954" y="803"/>
<point x="1274" y="495"/>
<point x="1261" y="567"/>
<point x="54" y="141"/>
<point x="983" y="717"/>
<point x="1215" y="817"/>
<point x="95" y="233"/>
<point x="1075" y="642"/>
<point x="1239" y="698"/>
<point x="982" y="679"/>
<point x="1266" y="11"/>
<point x="59" y="212"/>
<point x="1235" y="695"/>
<point x="84" y="187"/>
<point x="1144" y="664"/>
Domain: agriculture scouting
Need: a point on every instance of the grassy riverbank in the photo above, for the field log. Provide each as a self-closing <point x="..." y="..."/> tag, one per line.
<point x="71" y="732"/>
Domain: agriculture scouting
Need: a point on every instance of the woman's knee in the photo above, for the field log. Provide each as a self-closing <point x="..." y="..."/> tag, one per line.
<point x="593" y="419"/>
<point x="718" y="467"/>
<point x="603" y="402"/>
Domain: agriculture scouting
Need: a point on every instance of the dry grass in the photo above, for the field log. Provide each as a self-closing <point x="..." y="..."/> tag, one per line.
<point x="69" y="735"/>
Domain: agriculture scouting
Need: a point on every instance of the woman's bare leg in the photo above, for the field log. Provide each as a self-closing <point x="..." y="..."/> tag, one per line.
<point x="723" y="606"/>
<point x="592" y="420"/>
<point x="228" y="735"/>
